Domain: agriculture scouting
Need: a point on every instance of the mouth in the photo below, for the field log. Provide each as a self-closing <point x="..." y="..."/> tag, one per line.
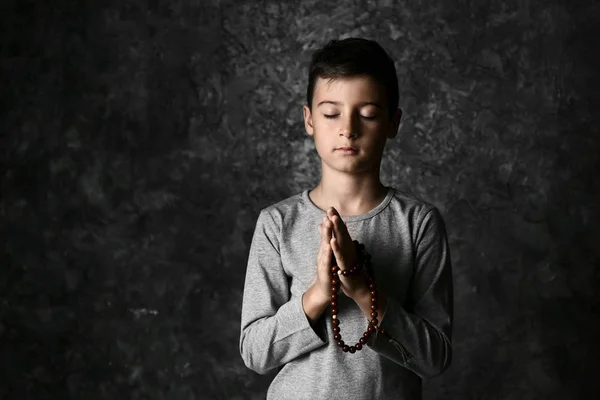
<point x="347" y="151"/>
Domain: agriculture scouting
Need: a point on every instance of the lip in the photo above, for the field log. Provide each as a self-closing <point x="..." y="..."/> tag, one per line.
<point x="347" y="151"/>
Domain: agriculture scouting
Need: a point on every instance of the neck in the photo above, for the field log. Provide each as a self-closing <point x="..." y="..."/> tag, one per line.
<point x="350" y="194"/>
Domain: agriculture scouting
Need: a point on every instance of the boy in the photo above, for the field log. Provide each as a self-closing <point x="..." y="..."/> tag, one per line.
<point x="287" y="321"/>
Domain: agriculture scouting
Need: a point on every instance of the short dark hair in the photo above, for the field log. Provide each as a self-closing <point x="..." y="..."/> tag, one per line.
<point x="352" y="57"/>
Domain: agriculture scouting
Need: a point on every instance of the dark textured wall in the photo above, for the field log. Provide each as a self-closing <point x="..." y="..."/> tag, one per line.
<point x="140" y="139"/>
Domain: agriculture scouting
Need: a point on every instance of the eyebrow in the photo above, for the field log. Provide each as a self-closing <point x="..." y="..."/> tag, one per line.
<point x="337" y="103"/>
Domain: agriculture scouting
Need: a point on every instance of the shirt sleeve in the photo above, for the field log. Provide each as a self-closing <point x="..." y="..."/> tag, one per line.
<point x="419" y="334"/>
<point x="274" y="327"/>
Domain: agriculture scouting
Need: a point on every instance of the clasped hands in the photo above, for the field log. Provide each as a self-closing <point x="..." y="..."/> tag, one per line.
<point x="343" y="249"/>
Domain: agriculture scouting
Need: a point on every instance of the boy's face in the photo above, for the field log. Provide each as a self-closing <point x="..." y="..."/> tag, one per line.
<point x="350" y="112"/>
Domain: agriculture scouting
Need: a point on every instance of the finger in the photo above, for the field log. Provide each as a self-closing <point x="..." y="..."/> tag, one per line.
<point x="331" y="211"/>
<point x="323" y="248"/>
<point x="324" y="251"/>
<point x="324" y="231"/>
<point x="341" y="233"/>
<point x="327" y="256"/>
<point x="337" y="253"/>
<point x="328" y="228"/>
<point x="335" y="217"/>
<point x="335" y="223"/>
<point x="324" y="242"/>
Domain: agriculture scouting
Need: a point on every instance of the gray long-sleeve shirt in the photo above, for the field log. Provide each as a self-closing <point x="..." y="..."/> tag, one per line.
<point x="411" y="262"/>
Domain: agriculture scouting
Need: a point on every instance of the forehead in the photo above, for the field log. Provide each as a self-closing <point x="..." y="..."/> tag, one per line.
<point x="363" y="87"/>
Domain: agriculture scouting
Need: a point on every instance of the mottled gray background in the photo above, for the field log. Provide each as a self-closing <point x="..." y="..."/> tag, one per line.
<point x="140" y="139"/>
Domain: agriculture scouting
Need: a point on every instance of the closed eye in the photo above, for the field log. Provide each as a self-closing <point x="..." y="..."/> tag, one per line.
<point x="332" y="116"/>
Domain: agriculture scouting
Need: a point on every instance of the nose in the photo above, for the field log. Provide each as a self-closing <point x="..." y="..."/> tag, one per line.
<point x="349" y="125"/>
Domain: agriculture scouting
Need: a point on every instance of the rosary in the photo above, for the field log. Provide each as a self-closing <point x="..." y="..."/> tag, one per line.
<point x="364" y="260"/>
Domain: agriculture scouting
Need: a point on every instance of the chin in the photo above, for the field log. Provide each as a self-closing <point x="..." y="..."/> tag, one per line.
<point x="355" y="166"/>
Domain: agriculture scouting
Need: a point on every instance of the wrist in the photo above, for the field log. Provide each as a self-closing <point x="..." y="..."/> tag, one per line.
<point x="314" y="303"/>
<point x="319" y="297"/>
<point x="364" y="302"/>
<point x="362" y="296"/>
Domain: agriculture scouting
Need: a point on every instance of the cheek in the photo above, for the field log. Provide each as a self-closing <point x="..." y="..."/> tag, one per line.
<point x="324" y="124"/>
<point x="324" y="130"/>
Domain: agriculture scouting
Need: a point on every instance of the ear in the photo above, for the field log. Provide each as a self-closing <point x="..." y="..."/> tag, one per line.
<point x="395" y="123"/>
<point x="308" y="122"/>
